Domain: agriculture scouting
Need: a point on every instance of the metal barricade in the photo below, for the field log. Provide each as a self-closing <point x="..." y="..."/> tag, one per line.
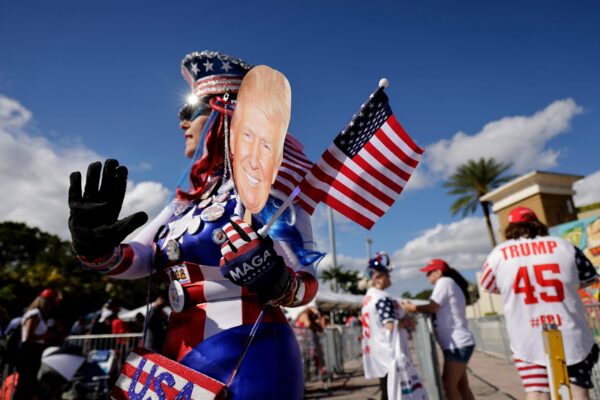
<point x="491" y="336"/>
<point x="325" y="353"/>
<point x="333" y="351"/>
<point x="122" y="344"/>
<point x="351" y="342"/>
<point x="426" y="356"/>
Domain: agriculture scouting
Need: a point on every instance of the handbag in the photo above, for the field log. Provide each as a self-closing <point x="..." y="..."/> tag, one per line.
<point x="403" y="380"/>
<point x="145" y="370"/>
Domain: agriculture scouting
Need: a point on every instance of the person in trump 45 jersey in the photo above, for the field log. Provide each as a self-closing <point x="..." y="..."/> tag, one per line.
<point x="538" y="277"/>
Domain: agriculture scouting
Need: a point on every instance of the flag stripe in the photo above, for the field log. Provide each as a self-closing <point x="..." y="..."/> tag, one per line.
<point x="353" y="181"/>
<point x="395" y="137"/>
<point x="395" y="125"/>
<point x="385" y="162"/>
<point x="356" y="194"/>
<point x="359" y="170"/>
<point x="385" y="137"/>
<point x="307" y="203"/>
<point x="331" y="197"/>
<point x="357" y="179"/>
<point x="369" y="164"/>
<point x="298" y="158"/>
<point x="294" y="168"/>
<point x="321" y="189"/>
<point x="399" y="160"/>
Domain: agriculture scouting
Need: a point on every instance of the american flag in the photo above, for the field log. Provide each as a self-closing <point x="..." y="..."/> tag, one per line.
<point x="294" y="166"/>
<point x="366" y="167"/>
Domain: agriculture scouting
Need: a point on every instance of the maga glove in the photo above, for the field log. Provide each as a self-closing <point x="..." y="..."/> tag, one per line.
<point x="251" y="261"/>
<point x="93" y="222"/>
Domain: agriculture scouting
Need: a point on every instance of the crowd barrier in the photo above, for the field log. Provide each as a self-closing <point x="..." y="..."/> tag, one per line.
<point x="122" y="344"/>
<point x="324" y="354"/>
<point x="492" y="338"/>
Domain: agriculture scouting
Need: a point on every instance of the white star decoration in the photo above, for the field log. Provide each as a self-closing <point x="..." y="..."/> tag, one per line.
<point x="195" y="68"/>
<point x="226" y="67"/>
<point x="208" y="65"/>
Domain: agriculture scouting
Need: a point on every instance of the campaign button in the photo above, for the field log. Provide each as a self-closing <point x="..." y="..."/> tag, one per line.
<point x="218" y="236"/>
<point x="221" y="198"/>
<point x="176" y="296"/>
<point x="173" y="250"/>
<point x="180" y="206"/>
<point x="194" y="225"/>
<point x="212" y="213"/>
<point x="204" y="203"/>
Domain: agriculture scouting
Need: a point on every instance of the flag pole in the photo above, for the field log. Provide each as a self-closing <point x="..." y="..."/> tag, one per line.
<point x="383" y="83"/>
<point x="288" y="202"/>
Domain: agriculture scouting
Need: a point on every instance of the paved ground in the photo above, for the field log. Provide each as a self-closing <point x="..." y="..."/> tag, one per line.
<point x="490" y="379"/>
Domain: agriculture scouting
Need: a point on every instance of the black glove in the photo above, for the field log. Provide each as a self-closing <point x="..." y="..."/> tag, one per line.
<point x="95" y="228"/>
<point x="251" y="261"/>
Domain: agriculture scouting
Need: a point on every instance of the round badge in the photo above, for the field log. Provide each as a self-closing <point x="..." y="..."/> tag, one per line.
<point x="180" y="206"/>
<point x="194" y="225"/>
<point x="226" y="186"/>
<point x="218" y="236"/>
<point x="212" y="213"/>
<point x="221" y="198"/>
<point x="176" y="296"/>
<point x="180" y="225"/>
<point x="205" y="203"/>
<point x="173" y="250"/>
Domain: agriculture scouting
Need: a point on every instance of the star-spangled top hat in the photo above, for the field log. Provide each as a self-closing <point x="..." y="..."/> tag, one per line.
<point x="211" y="72"/>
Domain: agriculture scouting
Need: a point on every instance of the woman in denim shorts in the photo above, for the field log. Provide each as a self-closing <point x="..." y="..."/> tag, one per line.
<point x="447" y="305"/>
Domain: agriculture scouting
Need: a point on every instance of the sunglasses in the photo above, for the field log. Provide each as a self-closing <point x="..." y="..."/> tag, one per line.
<point x="190" y="112"/>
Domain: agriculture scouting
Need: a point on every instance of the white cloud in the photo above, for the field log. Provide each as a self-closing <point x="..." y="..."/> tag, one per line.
<point x="463" y="244"/>
<point x="587" y="190"/>
<point x="521" y="140"/>
<point x="34" y="175"/>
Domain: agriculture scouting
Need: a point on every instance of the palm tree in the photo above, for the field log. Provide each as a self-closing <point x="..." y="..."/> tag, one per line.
<point x="472" y="180"/>
<point x="346" y="281"/>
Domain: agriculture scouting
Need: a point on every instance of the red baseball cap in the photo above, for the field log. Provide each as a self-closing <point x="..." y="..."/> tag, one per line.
<point x="436" y="264"/>
<point x="49" y="293"/>
<point x="521" y="214"/>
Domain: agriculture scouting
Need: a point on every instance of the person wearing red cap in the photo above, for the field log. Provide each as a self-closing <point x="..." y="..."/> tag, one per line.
<point x="538" y="277"/>
<point x="35" y="325"/>
<point x="447" y="304"/>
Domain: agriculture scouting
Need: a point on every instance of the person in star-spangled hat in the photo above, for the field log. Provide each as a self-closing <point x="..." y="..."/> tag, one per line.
<point x="221" y="273"/>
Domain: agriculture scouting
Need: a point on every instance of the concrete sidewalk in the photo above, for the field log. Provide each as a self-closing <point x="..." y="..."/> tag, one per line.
<point x="490" y="378"/>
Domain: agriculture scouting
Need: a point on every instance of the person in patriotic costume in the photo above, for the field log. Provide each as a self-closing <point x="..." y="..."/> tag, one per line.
<point x="221" y="272"/>
<point x="538" y="277"/>
<point x="380" y="311"/>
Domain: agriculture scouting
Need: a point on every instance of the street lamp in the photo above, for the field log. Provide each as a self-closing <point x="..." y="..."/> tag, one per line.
<point x="368" y="242"/>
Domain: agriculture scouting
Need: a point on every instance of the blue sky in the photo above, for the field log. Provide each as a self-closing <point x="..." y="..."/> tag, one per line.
<point x="513" y="80"/>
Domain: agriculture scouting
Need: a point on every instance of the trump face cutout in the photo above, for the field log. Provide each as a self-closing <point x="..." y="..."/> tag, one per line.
<point x="258" y="128"/>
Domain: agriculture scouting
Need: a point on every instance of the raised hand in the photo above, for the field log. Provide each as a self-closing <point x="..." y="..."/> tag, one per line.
<point x="93" y="222"/>
<point x="251" y="261"/>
